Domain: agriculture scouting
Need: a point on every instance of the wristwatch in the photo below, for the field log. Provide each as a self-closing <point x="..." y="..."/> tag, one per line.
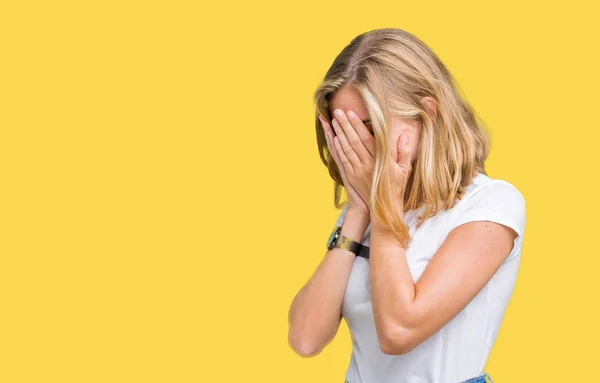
<point x="336" y="239"/>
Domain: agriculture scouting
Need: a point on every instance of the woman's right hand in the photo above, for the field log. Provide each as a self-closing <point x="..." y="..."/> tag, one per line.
<point x="355" y="202"/>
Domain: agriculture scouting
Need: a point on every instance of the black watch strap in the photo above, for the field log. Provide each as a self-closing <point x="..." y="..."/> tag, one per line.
<point x="348" y="244"/>
<point x="336" y="239"/>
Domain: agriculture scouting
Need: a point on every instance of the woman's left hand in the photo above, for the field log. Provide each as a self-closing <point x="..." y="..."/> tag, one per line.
<point x="402" y="166"/>
<point x="356" y="148"/>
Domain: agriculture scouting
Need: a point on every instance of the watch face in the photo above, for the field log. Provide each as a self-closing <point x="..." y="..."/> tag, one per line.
<point x="333" y="237"/>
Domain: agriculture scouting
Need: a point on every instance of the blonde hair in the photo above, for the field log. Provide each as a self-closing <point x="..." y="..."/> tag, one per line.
<point x="393" y="70"/>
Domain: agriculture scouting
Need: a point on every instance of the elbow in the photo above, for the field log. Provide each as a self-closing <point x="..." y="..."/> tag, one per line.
<point x="303" y="347"/>
<point x="396" y="340"/>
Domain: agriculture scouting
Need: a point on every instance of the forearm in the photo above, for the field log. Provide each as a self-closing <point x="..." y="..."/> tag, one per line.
<point x="315" y="312"/>
<point x="392" y="285"/>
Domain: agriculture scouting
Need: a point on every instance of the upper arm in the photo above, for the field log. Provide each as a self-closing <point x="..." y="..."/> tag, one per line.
<point x="481" y="237"/>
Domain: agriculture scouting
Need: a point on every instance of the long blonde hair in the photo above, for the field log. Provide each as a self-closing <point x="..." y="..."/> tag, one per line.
<point x="393" y="70"/>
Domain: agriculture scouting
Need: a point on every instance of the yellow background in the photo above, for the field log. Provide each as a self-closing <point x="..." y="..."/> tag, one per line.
<point x="159" y="163"/>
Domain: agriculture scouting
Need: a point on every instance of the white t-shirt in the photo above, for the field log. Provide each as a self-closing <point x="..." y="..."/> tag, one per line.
<point x="459" y="350"/>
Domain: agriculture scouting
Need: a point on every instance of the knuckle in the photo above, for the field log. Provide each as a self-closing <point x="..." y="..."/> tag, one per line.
<point x="353" y="140"/>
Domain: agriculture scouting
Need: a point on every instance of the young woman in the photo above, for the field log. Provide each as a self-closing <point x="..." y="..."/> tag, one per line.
<point x="429" y="248"/>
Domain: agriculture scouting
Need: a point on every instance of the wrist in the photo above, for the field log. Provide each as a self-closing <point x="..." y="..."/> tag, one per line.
<point x="377" y="223"/>
<point x="358" y="213"/>
<point x="355" y="224"/>
<point x="358" y="209"/>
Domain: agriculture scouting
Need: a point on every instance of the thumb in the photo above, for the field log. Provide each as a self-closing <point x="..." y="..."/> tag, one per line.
<point x="404" y="153"/>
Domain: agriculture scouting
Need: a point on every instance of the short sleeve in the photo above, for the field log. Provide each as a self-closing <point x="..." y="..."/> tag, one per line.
<point x="499" y="201"/>
<point x="341" y="216"/>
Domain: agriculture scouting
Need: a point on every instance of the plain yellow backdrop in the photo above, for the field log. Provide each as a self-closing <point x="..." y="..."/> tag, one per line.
<point x="163" y="199"/>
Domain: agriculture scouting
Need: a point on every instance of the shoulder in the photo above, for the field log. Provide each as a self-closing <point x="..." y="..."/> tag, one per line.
<point x="485" y="189"/>
<point x="489" y="199"/>
<point x="500" y="191"/>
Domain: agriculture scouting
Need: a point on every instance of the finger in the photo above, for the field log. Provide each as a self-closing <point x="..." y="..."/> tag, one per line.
<point x="342" y="155"/>
<point x="404" y="153"/>
<point x="332" y="149"/>
<point x="329" y="135"/>
<point x="356" y="133"/>
<point x="328" y="131"/>
<point x="365" y="135"/>
<point x="326" y="127"/>
<point x="338" y="162"/>
<point x="345" y="145"/>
